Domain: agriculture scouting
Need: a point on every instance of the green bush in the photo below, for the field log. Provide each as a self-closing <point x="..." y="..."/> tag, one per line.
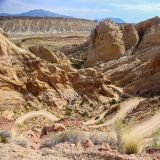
<point x="113" y="101"/>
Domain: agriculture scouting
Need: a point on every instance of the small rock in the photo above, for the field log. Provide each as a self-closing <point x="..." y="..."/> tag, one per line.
<point x="88" y="144"/>
<point x="104" y="147"/>
<point x="53" y="128"/>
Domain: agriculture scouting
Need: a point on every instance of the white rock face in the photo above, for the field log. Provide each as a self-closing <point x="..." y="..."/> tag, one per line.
<point x="44" y="25"/>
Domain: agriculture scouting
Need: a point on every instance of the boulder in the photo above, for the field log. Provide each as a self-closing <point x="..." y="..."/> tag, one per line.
<point x="53" y="128"/>
<point x="109" y="41"/>
<point x="105" y="147"/>
<point x="88" y="144"/>
<point x="46" y="54"/>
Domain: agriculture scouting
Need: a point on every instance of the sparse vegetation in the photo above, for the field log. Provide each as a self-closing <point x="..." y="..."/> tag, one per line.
<point x="155" y="143"/>
<point x="68" y="112"/>
<point x="113" y="101"/>
<point x="5" y="136"/>
<point x="1" y="139"/>
<point x="101" y="121"/>
<point x="77" y="136"/>
<point x="20" y="140"/>
<point x="131" y="142"/>
<point x="128" y="142"/>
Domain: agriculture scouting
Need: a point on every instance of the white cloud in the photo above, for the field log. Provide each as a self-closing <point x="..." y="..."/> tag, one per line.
<point x="146" y="7"/>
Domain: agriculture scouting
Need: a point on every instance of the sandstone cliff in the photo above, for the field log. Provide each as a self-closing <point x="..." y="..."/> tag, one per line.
<point x="141" y="43"/>
<point x="109" y="41"/>
<point x="31" y="25"/>
<point x="32" y="80"/>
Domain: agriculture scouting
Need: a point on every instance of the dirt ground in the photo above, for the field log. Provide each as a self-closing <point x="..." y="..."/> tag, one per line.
<point x="52" y="41"/>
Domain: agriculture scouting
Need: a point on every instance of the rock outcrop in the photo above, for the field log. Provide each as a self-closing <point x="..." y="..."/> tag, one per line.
<point x="26" y="79"/>
<point x="148" y="82"/>
<point x="3" y="33"/>
<point x="109" y="41"/>
<point x="45" y="54"/>
<point x="131" y="70"/>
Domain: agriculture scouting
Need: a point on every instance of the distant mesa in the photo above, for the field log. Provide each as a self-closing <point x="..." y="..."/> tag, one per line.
<point x="116" y="20"/>
<point x="37" y="13"/>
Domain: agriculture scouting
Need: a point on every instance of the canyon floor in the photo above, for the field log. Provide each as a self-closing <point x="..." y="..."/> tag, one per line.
<point x="81" y="95"/>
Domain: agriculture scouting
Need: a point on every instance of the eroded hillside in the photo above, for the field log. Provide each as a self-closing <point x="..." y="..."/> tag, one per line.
<point x="40" y="25"/>
<point x="96" y="111"/>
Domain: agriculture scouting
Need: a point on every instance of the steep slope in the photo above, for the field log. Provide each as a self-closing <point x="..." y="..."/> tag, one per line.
<point x="135" y="66"/>
<point x="30" y="25"/>
<point x="109" y="41"/>
<point x="29" y="82"/>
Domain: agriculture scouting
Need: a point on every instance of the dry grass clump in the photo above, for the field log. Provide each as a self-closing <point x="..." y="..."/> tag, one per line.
<point x="127" y="141"/>
<point x="131" y="143"/>
<point x="75" y="136"/>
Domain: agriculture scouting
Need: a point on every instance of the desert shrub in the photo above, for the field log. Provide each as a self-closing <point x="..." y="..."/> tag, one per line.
<point x="85" y="114"/>
<point x="155" y="143"/>
<point x="101" y="121"/>
<point x="113" y="101"/>
<point x="68" y="112"/>
<point x="2" y="139"/>
<point x="127" y="142"/>
<point x="66" y="136"/>
<point x="75" y="136"/>
<point x="20" y="140"/>
<point x="131" y="142"/>
<point x="98" y="137"/>
<point x="5" y="136"/>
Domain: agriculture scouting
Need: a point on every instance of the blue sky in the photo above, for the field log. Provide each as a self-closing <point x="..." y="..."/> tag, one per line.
<point x="129" y="10"/>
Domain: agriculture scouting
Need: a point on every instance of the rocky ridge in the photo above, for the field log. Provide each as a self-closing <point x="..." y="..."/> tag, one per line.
<point x="31" y="81"/>
<point x="40" y="25"/>
<point x="28" y="80"/>
<point x="138" y="61"/>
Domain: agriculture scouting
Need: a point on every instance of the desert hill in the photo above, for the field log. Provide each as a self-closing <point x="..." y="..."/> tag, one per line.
<point x="106" y="108"/>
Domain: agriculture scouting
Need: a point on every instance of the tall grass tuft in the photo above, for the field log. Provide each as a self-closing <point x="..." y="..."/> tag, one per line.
<point x="131" y="142"/>
<point x="128" y="142"/>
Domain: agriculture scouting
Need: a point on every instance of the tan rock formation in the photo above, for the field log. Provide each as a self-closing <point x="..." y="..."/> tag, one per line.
<point x="47" y="25"/>
<point x="109" y="41"/>
<point x="149" y="81"/>
<point x="26" y="79"/>
<point x="151" y="37"/>
<point x="143" y="26"/>
<point x="49" y="56"/>
<point x="106" y="43"/>
<point x="138" y="71"/>
<point x="130" y="36"/>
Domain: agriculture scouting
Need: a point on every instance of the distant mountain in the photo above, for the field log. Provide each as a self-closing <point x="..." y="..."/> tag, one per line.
<point x="116" y="20"/>
<point x="36" y="13"/>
